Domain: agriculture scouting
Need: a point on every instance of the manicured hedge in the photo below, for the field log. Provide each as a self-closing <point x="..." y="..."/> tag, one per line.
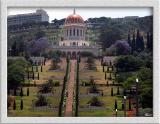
<point x="66" y="77"/>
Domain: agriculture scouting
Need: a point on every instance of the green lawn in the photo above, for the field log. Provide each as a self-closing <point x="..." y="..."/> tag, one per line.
<point x="27" y="103"/>
<point x="107" y="99"/>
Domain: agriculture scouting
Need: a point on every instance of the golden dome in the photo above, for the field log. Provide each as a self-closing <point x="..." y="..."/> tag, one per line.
<point x="74" y="19"/>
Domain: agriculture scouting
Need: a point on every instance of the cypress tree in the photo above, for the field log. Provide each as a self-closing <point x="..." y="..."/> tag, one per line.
<point x="118" y="91"/>
<point x="28" y="91"/>
<point x="103" y="67"/>
<point x="113" y="82"/>
<point x="115" y="74"/>
<point x="110" y="63"/>
<point x="141" y="43"/>
<point x="148" y="41"/>
<point x="41" y="68"/>
<point x="35" y="83"/>
<point x="33" y="76"/>
<point x="112" y="68"/>
<point x="21" y="93"/>
<point x="133" y="43"/>
<point x="101" y="62"/>
<point x="107" y="69"/>
<point x="112" y="91"/>
<point x="32" y="69"/>
<point x="110" y="76"/>
<point x="15" y="92"/>
<point x="129" y="40"/>
<point x="28" y="75"/>
<point x="107" y="83"/>
<point x="129" y="104"/>
<point x="105" y="76"/>
<point x="14" y="105"/>
<point x="115" y="105"/>
<point x="38" y="76"/>
<point x="151" y="41"/>
<point x="21" y="104"/>
<point x="122" y="104"/>
<point x="36" y="68"/>
<point x="137" y="40"/>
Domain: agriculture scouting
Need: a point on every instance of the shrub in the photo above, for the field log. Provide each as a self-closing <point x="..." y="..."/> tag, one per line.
<point x="95" y="102"/>
<point x="21" y="107"/>
<point x="14" y="105"/>
<point x="42" y="101"/>
<point x="28" y="91"/>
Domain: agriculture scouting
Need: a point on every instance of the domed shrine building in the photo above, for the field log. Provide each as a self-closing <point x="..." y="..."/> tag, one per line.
<point x="73" y="41"/>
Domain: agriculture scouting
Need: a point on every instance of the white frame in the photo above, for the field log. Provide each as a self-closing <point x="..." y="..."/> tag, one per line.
<point x="78" y="3"/>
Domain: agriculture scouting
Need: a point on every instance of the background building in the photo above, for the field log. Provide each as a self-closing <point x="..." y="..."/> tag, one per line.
<point x="39" y="16"/>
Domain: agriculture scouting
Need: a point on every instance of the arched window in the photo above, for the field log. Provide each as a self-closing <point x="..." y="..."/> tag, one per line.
<point x="77" y="32"/>
<point x="70" y="32"/>
<point x="74" y="32"/>
<point x="80" y="32"/>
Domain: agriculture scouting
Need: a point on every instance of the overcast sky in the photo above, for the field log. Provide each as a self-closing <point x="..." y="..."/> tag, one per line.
<point x="86" y="13"/>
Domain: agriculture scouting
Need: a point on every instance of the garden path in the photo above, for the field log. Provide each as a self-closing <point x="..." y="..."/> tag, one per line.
<point x="70" y="89"/>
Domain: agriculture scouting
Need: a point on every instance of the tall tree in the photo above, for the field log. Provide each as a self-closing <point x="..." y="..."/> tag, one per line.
<point x="133" y="43"/>
<point x="148" y="41"/>
<point x="129" y="40"/>
<point x="137" y="40"/>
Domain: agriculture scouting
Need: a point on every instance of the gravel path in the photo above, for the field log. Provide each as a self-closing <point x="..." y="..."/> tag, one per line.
<point x="70" y="89"/>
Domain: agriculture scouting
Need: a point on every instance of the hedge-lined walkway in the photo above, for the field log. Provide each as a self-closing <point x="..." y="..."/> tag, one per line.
<point x="70" y="89"/>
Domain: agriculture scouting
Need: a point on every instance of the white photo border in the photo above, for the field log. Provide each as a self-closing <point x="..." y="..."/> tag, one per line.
<point x="79" y="3"/>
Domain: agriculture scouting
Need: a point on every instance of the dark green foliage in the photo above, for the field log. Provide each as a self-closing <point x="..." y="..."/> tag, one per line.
<point x="36" y="68"/>
<point x="118" y="91"/>
<point x="95" y="102"/>
<point x="107" y="69"/>
<point x="16" y="72"/>
<point x="38" y="76"/>
<point x="14" y="105"/>
<point x="86" y="54"/>
<point x="63" y="89"/>
<point x="15" y="92"/>
<point x="129" y="104"/>
<point x="28" y="75"/>
<point x="133" y="43"/>
<point x="112" y="91"/>
<point x="28" y="91"/>
<point x="33" y="75"/>
<point x="122" y="105"/>
<point x="110" y="76"/>
<point x="90" y="63"/>
<point x="39" y="34"/>
<point x="93" y="89"/>
<point x="107" y="83"/>
<point x="21" y="93"/>
<point x="129" y="40"/>
<point x="113" y="82"/>
<point x="115" y="105"/>
<point x="128" y="63"/>
<point x="42" y="101"/>
<point x="46" y="88"/>
<point x="105" y="76"/>
<point x="103" y="68"/>
<point x="109" y="35"/>
<point x="41" y="68"/>
<point x="21" y="106"/>
<point x="110" y="63"/>
<point x="139" y="42"/>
